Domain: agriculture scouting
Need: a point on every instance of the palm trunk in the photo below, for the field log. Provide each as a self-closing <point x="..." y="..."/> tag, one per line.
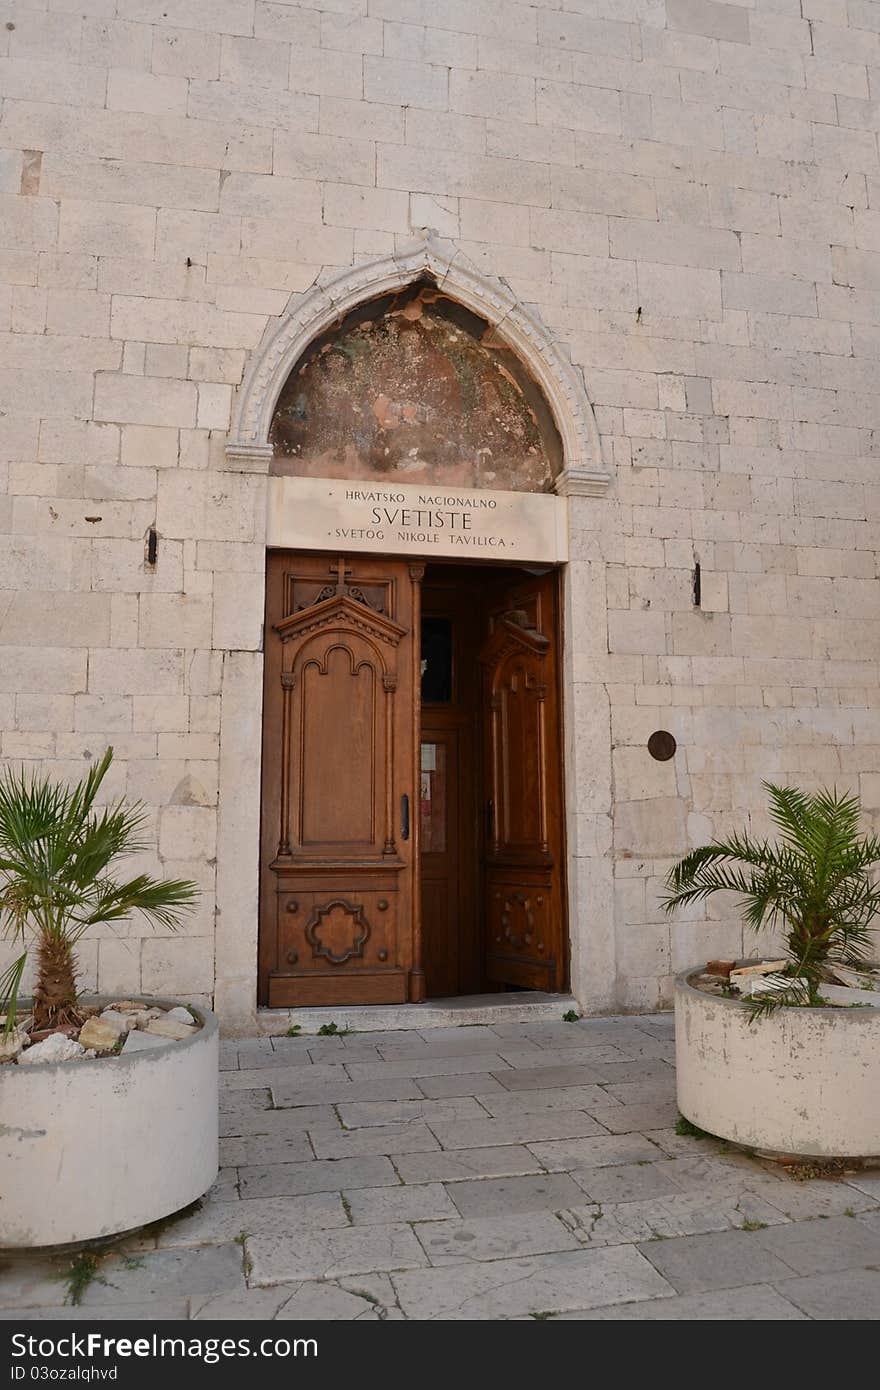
<point x="55" y="990"/>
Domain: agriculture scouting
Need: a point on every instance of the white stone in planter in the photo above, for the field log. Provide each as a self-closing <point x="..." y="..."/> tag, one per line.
<point x="103" y="1037"/>
<point x="171" y="1028"/>
<point x="767" y="984"/>
<point x="180" y="1015"/>
<point x="58" y="1047"/>
<point x="121" y="1022"/>
<point x="800" y="1081"/>
<point x="145" y="1121"/>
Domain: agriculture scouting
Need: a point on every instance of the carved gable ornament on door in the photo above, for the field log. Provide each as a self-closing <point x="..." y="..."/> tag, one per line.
<point x="341" y="611"/>
<point x="512" y="633"/>
<point x="337" y="292"/>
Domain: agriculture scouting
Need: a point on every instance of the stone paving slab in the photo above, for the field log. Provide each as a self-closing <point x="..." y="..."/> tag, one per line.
<point x="282" y="1124"/>
<point x="139" y="1278"/>
<point x="852" y="1294"/>
<point x="362" y="1297"/>
<point x="633" y="1119"/>
<point x="471" y="1039"/>
<point x="217" y="1223"/>
<point x="530" y="1077"/>
<point x="328" y="1175"/>
<point x="508" y="1171"/>
<point x="497" y="1196"/>
<point x="817" y="1247"/>
<point x="722" y="1261"/>
<point x="356" y="1114"/>
<point x="569" y="1154"/>
<point x="380" y="1139"/>
<point x="541" y="1284"/>
<point x="709" y="1167"/>
<point x="479" y="1083"/>
<point x="661" y="1218"/>
<point x="516" y="1129"/>
<point x="804" y="1201"/>
<point x="428" y="1065"/>
<point x="317" y="1073"/>
<point x="461" y="1164"/>
<point x="225" y="1187"/>
<point x="408" y="1202"/>
<point x="310" y="1301"/>
<point x="287" y="1095"/>
<point x="327" y="1254"/>
<point x="304" y="1056"/>
<point x="243" y="1104"/>
<point x="651" y="1092"/>
<point x="553" y="1098"/>
<point x="537" y="1058"/>
<point x="170" y="1310"/>
<point x="494" y="1237"/>
<point x="759" y="1303"/>
<point x="869" y="1183"/>
<point x="165" y="1273"/>
<point x="259" y="1149"/>
<point x="627" y="1182"/>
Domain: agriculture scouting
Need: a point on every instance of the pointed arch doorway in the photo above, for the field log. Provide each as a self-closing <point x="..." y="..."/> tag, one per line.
<point x="413" y="832"/>
<point x="250" y="450"/>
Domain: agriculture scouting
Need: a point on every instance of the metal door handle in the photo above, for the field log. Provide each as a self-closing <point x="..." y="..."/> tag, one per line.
<point x="404" y="817"/>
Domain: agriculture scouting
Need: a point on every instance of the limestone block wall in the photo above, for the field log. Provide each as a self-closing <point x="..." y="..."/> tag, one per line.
<point x="687" y="192"/>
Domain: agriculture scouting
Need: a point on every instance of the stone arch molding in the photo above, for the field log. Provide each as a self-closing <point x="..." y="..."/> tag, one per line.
<point x="338" y="292"/>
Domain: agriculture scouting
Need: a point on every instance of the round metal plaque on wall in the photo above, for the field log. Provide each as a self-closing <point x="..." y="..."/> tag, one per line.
<point x="661" y="745"/>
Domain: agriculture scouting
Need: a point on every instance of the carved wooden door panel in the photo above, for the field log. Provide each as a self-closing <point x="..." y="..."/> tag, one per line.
<point x="524" y="828"/>
<point x="338" y="912"/>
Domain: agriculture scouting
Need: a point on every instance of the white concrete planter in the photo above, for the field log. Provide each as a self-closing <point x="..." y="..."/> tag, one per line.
<point x="89" y="1149"/>
<point x="801" y="1081"/>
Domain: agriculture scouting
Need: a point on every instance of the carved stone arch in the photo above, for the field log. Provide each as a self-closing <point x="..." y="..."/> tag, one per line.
<point x="337" y="292"/>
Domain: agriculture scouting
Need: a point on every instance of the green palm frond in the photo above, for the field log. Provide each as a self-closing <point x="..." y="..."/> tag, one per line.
<point x="161" y="901"/>
<point x="10" y="984"/>
<point x="816" y="880"/>
<point x="57" y="848"/>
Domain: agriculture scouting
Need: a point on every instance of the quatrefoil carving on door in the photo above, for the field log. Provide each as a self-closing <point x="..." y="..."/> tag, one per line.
<point x="345" y="925"/>
<point x="519" y="905"/>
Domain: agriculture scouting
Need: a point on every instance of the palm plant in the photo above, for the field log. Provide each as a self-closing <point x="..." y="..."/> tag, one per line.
<point x="815" y="883"/>
<point x="56" y="850"/>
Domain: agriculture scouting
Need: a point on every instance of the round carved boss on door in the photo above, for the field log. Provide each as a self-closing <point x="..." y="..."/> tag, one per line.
<point x="662" y="745"/>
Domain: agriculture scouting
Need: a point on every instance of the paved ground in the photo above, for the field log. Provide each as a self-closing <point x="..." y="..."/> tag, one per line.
<point x="514" y="1171"/>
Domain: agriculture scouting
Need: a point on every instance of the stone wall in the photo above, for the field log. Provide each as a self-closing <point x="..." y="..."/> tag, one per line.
<point x="688" y="192"/>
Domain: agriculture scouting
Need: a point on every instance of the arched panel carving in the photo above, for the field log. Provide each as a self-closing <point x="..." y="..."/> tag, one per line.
<point x="338" y="292"/>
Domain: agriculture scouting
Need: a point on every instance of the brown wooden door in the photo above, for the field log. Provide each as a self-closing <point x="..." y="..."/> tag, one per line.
<point x="524" y="828"/>
<point x="339" y="886"/>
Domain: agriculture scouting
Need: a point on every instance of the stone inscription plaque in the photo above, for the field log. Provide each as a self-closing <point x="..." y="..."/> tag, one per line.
<point x="415" y="519"/>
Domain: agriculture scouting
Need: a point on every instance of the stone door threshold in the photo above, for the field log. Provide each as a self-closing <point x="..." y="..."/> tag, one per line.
<point x="515" y="1007"/>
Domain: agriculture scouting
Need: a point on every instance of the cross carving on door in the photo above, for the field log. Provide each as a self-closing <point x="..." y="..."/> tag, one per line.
<point x="342" y="572"/>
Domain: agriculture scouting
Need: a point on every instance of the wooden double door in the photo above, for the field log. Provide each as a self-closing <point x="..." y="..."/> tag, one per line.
<point x="412" y="828"/>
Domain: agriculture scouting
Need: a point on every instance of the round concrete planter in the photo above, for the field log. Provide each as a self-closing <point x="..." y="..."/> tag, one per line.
<point x="801" y="1081"/>
<point x="90" y="1149"/>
